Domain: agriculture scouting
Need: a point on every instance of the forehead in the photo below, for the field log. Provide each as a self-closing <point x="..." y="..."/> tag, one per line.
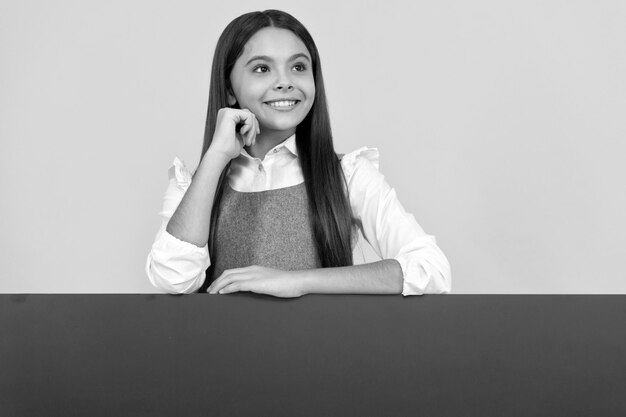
<point x="274" y="42"/>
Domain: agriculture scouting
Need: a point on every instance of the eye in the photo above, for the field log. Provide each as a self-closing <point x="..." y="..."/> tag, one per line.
<point x="300" y="67"/>
<point x="261" y="68"/>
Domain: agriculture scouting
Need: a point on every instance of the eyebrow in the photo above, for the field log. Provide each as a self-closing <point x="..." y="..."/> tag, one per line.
<point x="267" y="58"/>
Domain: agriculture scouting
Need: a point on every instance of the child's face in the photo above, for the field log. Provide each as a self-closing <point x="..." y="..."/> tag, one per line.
<point x="273" y="78"/>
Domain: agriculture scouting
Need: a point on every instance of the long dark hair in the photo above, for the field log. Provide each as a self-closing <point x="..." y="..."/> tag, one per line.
<point x="331" y="216"/>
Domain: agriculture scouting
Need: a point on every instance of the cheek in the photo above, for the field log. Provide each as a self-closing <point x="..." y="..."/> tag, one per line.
<point x="311" y="94"/>
<point x="308" y="88"/>
<point x="311" y="87"/>
<point x="243" y="93"/>
<point x="246" y="89"/>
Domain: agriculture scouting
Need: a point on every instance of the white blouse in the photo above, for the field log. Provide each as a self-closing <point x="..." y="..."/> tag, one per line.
<point x="179" y="267"/>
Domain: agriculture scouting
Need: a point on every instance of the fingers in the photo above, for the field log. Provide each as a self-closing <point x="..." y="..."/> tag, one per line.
<point x="254" y="129"/>
<point x="241" y="285"/>
<point x="231" y="284"/>
<point x="250" y="127"/>
<point x="228" y="276"/>
<point x="243" y="132"/>
<point x="233" y="287"/>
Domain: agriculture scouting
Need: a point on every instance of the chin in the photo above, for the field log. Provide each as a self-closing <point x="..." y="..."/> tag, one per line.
<point x="278" y="126"/>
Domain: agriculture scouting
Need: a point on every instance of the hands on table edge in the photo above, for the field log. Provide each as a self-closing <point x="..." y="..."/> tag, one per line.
<point x="259" y="279"/>
<point x="381" y="277"/>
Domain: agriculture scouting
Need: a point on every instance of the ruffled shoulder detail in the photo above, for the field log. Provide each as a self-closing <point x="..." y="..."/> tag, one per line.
<point x="350" y="160"/>
<point x="179" y="173"/>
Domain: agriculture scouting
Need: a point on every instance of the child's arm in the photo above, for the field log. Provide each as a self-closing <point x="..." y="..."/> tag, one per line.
<point x="179" y="256"/>
<point x="174" y="265"/>
<point x="393" y="232"/>
<point x="382" y="277"/>
<point x="192" y="219"/>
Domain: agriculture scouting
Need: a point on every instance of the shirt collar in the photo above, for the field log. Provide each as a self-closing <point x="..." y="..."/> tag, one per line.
<point x="289" y="144"/>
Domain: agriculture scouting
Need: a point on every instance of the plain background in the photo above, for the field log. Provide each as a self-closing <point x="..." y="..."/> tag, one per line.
<point x="500" y="125"/>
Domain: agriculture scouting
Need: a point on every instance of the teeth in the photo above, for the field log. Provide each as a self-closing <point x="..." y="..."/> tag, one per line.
<point x="284" y="103"/>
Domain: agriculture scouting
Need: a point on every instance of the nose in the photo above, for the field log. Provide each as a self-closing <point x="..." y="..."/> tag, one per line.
<point x="284" y="86"/>
<point x="283" y="83"/>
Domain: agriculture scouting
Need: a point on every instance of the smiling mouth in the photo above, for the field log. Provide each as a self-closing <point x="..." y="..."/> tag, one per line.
<point x="282" y="104"/>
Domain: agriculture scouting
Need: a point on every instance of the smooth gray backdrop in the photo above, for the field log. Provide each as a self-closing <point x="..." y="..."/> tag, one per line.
<point x="500" y="125"/>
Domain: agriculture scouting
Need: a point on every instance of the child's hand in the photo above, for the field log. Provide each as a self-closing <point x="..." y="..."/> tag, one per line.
<point x="226" y="139"/>
<point x="257" y="279"/>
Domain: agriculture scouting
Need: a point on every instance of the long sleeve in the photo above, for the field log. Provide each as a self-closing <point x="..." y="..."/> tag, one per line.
<point x="173" y="265"/>
<point x="390" y="230"/>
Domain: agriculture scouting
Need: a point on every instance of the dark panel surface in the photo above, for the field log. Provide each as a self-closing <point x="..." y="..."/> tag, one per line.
<point x="319" y="355"/>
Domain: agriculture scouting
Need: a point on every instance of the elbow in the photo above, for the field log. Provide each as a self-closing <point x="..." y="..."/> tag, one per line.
<point x="425" y="268"/>
<point x="440" y="281"/>
<point x="444" y="276"/>
<point x="427" y="277"/>
<point x="173" y="280"/>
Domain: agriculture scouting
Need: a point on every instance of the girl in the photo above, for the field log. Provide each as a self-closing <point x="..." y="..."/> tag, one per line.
<point x="271" y="208"/>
